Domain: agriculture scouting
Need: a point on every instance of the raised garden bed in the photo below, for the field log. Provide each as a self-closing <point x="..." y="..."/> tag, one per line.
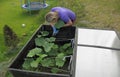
<point x="16" y="67"/>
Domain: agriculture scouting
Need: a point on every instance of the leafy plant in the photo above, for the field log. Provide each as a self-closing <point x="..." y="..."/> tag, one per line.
<point x="59" y="24"/>
<point x="47" y="54"/>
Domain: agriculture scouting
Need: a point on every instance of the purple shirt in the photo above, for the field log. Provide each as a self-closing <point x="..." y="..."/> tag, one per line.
<point x="64" y="14"/>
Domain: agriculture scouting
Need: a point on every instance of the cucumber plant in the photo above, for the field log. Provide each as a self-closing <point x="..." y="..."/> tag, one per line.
<point x="47" y="54"/>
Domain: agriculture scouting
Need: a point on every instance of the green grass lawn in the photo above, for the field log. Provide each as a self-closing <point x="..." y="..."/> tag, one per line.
<point x="102" y="14"/>
<point x="14" y="16"/>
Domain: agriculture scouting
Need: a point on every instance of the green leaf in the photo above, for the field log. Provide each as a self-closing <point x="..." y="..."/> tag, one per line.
<point x="45" y="33"/>
<point x="40" y="41"/>
<point x="47" y="62"/>
<point x="67" y="45"/>
<point x="26" y="65"/>
<point x="51" y="39"/>
<point x="34" y="64"/>
<point x="48" y="46"/>
<point x="60" y="60"/>
<point x="54" y="70"/>
<point x="64" y="47"/>
<point x="55" y="46"/>
<point x="37" y="61"/>
<point x="39" y="36"/>
<point x="53" y="52"/>
<point x="59" y="24"/>
<point x="33" y="52"/>
<point x="69" y="51"/>
<point x="42" y="56"/>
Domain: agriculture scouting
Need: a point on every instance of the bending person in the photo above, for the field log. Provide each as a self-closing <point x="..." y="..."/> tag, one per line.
<point x="60" y="13"/>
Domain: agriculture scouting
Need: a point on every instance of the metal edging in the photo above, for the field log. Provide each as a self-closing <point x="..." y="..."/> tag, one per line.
<point x="98" y="47"/>
<point x="34" y="72"/>
<point x="73" y="70"/>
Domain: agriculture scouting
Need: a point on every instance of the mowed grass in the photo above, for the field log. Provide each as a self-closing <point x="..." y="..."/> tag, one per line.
<point x="102" y="14"/>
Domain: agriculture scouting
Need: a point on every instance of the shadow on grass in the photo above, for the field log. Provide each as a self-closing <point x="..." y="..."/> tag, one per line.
<point x="27" y="12"/>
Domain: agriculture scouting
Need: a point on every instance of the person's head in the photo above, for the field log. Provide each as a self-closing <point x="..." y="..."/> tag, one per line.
<point x="52" y="17"/>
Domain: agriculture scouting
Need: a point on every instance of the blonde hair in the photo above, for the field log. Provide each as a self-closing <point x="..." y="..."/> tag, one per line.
<point x="51" y="17"/>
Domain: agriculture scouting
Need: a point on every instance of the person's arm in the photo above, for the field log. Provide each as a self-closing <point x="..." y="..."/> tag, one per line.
<point x="69" y="23"/>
